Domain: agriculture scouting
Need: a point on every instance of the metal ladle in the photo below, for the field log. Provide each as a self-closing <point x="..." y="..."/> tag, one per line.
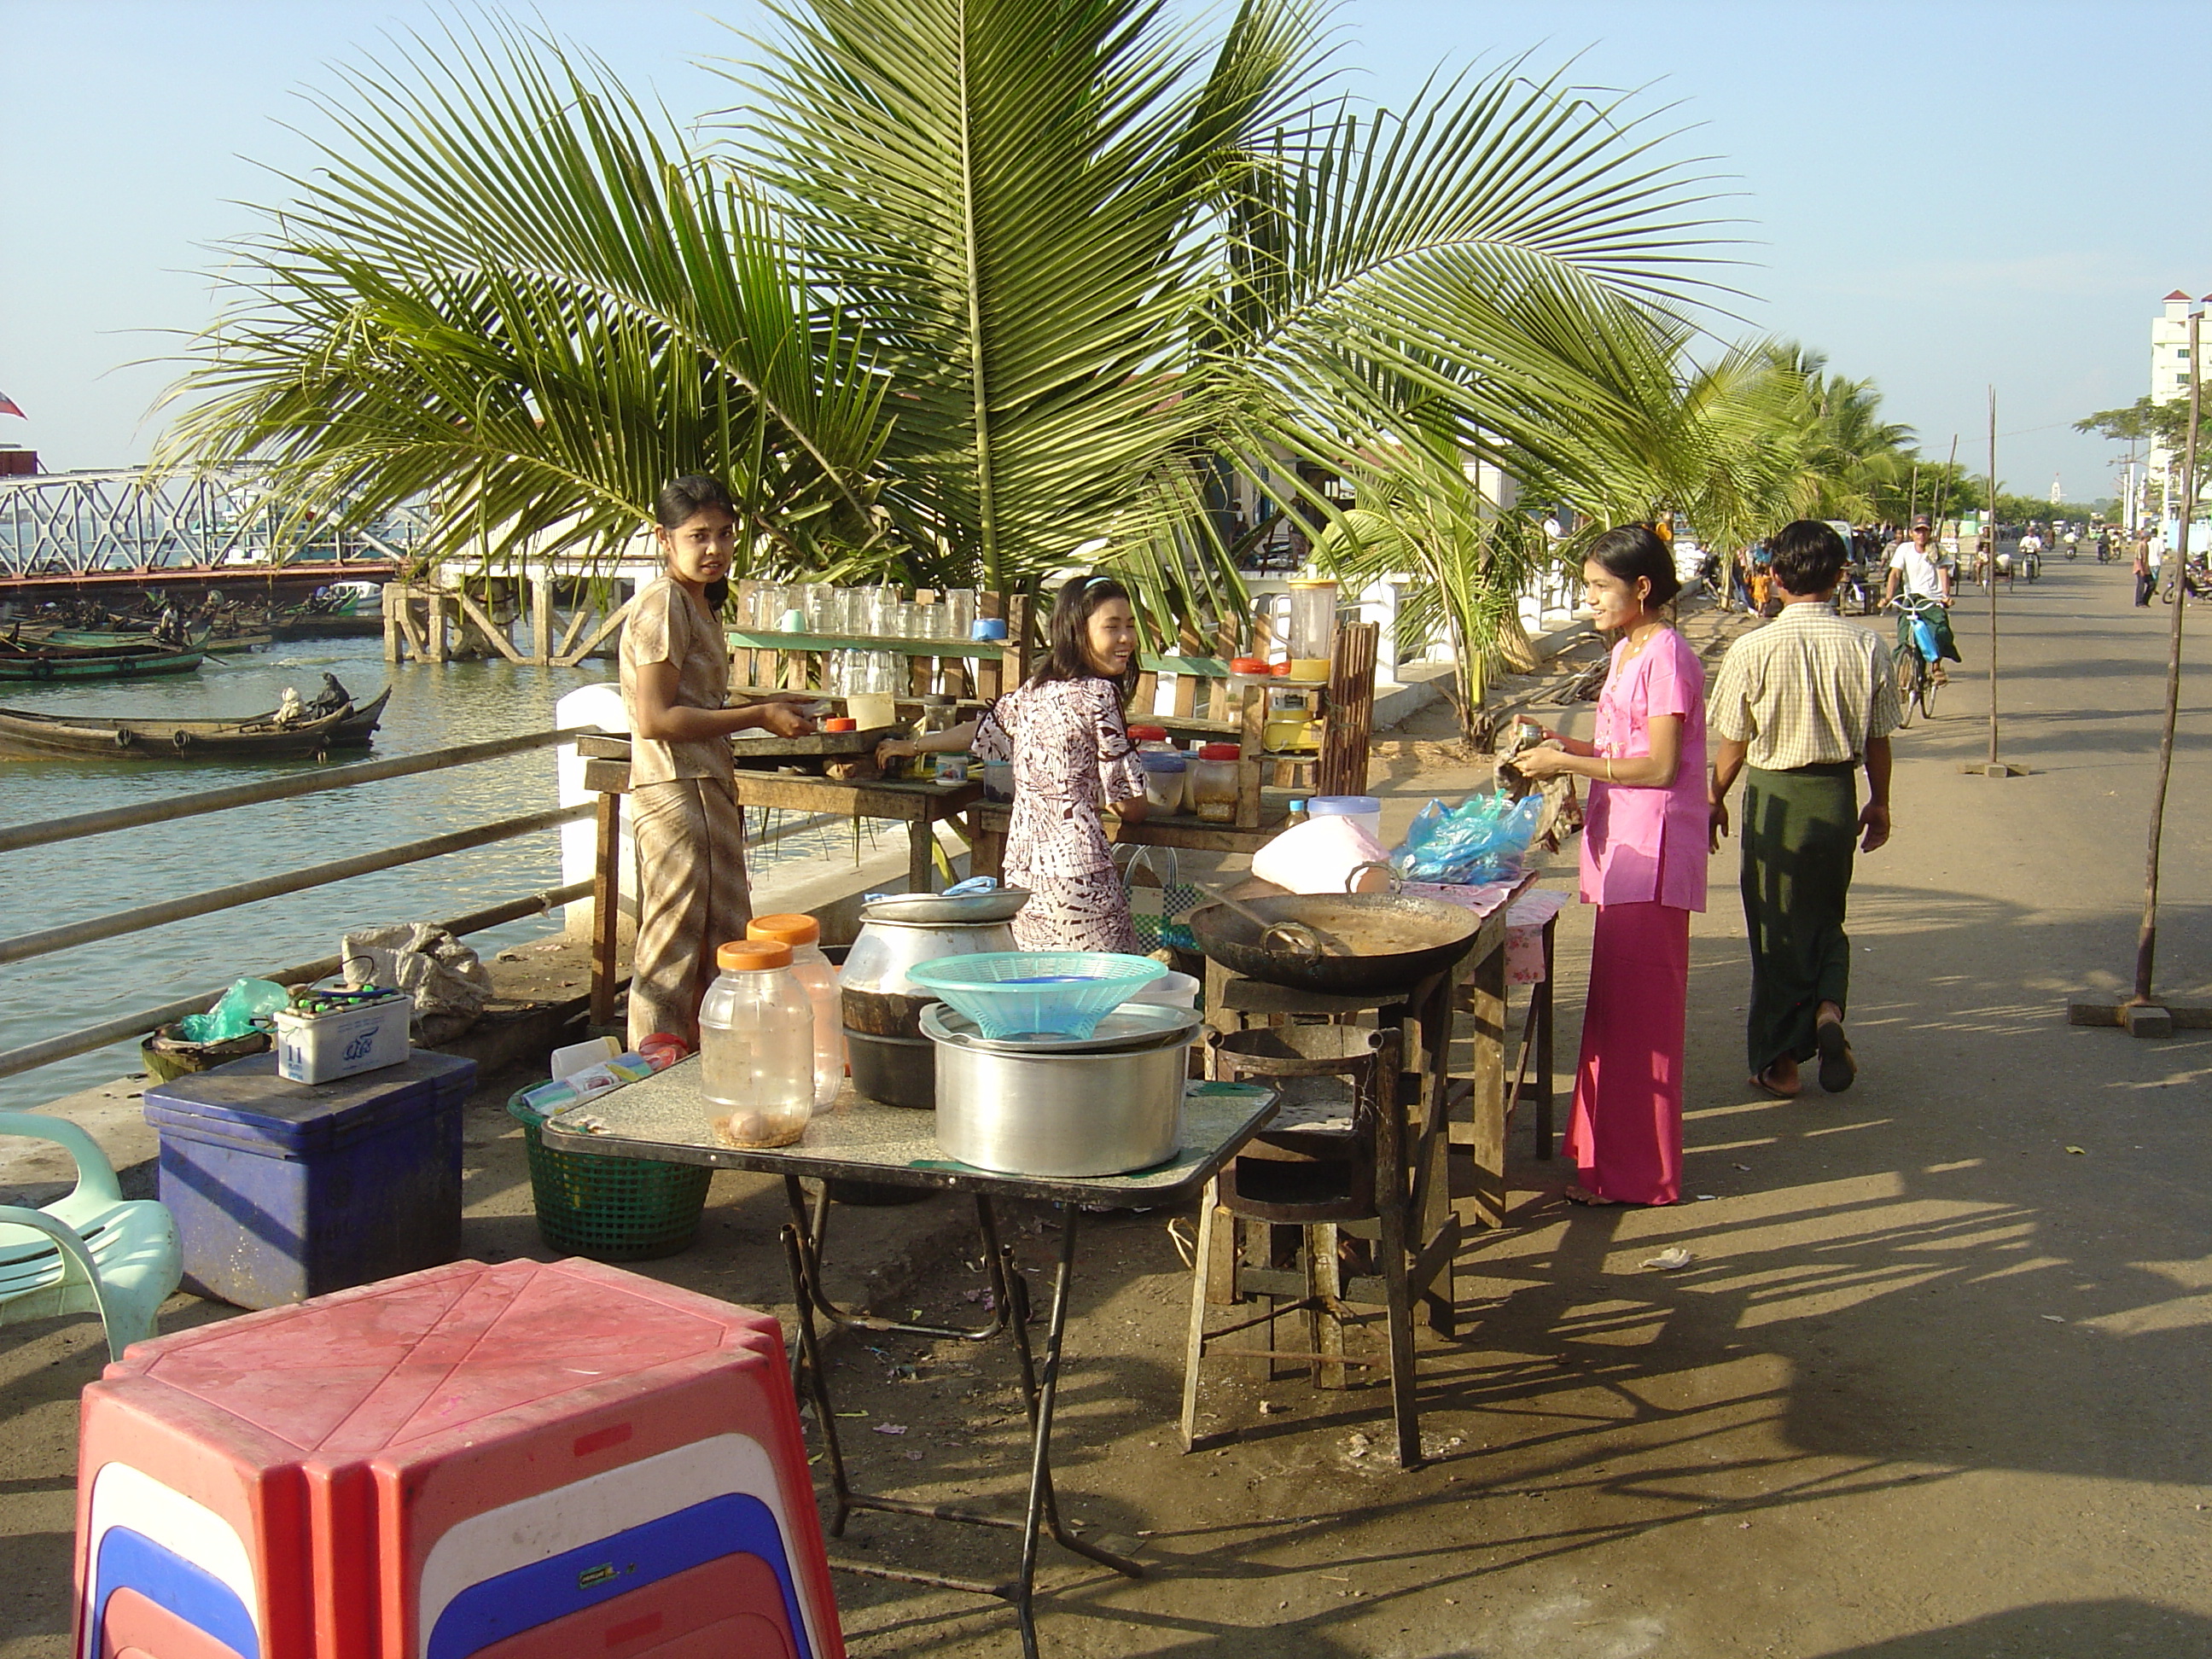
<point x="1294" y="937"/>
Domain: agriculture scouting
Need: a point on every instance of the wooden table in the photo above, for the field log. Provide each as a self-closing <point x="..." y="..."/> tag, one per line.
<point x="1185" y="831"/>
<point x="920" y="803"/>
<point x="665" y="1119"/>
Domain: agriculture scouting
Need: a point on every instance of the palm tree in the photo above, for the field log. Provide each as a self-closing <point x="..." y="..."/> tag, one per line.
<point x="966" y="288"/>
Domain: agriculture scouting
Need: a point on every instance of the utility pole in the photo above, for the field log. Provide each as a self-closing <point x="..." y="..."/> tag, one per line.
<point x="2178" y="560"/>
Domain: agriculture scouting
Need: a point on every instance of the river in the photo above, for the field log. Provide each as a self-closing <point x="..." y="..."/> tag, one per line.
<point x="431" y="706"/>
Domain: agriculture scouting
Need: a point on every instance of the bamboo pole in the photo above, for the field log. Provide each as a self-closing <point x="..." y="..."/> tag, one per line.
<point x="2146" y="938"/>
<point x="1993" y="762"/>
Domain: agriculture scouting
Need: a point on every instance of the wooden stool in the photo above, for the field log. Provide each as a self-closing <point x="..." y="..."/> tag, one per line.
<point x="1334" y="1153"/>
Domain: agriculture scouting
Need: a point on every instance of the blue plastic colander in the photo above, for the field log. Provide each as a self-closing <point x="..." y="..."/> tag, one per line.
<point x="1009" y="993"/>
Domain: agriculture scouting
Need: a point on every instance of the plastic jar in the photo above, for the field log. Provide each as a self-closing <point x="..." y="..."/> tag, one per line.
<point x="756" y="1046"/>
<point x="998" y="780"/>
<point x="1150" y="739"/>
<point x="1163" y="778"/>
<point x="812" y="970"/>
<point x="1364" y="810"/>
<point x="1213" y="783"/>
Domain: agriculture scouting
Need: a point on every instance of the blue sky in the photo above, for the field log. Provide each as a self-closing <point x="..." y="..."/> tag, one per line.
<point x="1941" y="196"/>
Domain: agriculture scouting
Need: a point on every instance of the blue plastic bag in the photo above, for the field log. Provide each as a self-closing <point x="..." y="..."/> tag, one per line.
<point x="1924" y="640"/>
<point x="1483" y="839"/>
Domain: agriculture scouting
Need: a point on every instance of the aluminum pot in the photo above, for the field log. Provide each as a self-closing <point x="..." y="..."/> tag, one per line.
<point x="1062" y="1108"/>
<point x="899" y="931"/>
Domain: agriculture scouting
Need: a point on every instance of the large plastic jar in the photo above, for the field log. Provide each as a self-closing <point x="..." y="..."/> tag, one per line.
<point x="756" y="1046"/>
<point x="812" y="970"/>
<point x="1163" y="779"/>
<point x="1213" y="783"/>
<point x="1366" y="811"/>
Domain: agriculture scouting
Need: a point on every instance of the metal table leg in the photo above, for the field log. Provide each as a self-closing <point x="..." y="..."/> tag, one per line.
<point x="803" y="1239"/>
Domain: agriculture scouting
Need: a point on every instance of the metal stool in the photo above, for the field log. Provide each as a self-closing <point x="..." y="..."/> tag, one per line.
<point x="1334" y="1154"/>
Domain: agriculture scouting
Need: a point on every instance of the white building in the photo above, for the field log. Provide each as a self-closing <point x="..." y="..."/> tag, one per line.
<point x="2170" y="371"/>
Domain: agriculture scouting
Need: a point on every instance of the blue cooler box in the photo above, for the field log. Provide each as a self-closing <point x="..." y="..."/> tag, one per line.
<point x="282" y="1190"/>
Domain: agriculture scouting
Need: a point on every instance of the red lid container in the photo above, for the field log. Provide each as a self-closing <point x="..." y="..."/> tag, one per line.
<point x="1218" y="751"/>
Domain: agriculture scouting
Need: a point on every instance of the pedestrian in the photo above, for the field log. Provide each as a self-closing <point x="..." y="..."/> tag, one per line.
<point x="1800" y="707"/>
<point x="1064" y="731"/>
<point x="1643" y="866"/>
<point x="2145" y="581"/>
<point x="1920" y="570"/>
<point x="684" y="818"/>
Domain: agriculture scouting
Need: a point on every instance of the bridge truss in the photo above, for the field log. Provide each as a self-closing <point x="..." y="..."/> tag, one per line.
<point x="60" y="525"/>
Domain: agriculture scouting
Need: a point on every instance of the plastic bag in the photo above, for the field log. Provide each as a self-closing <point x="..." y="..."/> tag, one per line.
<point x="1924" y="636"/>
<point x="1483" y="839"/>
<point x="247" y="1001"/>
<point x="443" y="977"/>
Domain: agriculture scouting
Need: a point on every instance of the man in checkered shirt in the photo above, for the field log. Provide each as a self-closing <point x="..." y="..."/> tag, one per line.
<point x="1802" y="705"/>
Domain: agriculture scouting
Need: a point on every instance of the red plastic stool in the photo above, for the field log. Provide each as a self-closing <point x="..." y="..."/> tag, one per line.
<point x="513" y="1460"/>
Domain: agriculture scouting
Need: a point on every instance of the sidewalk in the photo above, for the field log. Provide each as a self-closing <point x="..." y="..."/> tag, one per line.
<point x="1932" y="1385"/>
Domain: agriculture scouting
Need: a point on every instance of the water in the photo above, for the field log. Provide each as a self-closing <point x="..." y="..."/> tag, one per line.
<point x="431" y="706"/>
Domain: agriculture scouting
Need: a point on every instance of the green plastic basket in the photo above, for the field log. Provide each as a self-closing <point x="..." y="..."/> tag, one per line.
<point x="611" y="1209"/>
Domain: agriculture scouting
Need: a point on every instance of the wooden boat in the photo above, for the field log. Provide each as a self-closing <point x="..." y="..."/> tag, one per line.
<point x="43" y="665"/>
<point x="28" y="732"/>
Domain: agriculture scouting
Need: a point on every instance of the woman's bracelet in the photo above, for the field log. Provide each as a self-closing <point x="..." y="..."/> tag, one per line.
<point x="1608" y="769"/>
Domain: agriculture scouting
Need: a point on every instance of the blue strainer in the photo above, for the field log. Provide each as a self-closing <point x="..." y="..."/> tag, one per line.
<point x="1009" y="993"/>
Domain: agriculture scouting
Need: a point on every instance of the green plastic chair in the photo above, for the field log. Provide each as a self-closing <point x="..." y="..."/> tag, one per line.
<point x="93" y="1251"/>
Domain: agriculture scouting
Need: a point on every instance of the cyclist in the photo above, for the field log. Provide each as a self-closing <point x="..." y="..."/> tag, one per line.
<point x="1919" y="567"/>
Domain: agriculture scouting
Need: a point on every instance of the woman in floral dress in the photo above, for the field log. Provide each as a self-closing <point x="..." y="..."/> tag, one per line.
<point x="1064" y="731"/>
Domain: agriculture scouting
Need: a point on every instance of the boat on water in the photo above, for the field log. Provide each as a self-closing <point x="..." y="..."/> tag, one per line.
<point x="313" y="728"/>
<point x="31" y="664"/>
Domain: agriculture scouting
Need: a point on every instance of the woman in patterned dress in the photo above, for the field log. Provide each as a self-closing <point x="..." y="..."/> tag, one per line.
<point x="1064" y="731"/>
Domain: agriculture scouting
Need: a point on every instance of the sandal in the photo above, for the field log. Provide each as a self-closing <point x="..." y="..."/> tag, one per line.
<point x="1772" y="1092"/>
<point x="1579" y="1193"/>
<point x="1839" y="1066"/>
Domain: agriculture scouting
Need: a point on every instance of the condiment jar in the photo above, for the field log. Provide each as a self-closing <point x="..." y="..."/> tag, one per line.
<point x="1213" y="782"/>
<point x="756" y="1046"/>
<point x="1163" y="778"/>
<point x="812" y="970"/>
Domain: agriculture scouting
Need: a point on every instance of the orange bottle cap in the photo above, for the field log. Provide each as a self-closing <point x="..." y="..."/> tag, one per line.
<point x="751" y="954"/>
<point x="789" y="929"/>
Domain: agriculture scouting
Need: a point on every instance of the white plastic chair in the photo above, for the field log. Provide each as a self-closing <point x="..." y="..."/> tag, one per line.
<point x="93" y="1251"/>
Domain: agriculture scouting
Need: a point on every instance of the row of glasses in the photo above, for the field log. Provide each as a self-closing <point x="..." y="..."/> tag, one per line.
<point x="856" y="612"/>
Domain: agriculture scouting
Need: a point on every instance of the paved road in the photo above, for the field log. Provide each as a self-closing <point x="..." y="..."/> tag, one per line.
<point x="1935" y="1384"/>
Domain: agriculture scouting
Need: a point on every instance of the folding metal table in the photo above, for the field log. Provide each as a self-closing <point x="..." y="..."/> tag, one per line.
<point x="665" y="1119"/>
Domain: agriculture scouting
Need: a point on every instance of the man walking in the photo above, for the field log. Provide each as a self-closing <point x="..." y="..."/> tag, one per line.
<point x="2144" y="580"/>
<point x="1807" y="700"/>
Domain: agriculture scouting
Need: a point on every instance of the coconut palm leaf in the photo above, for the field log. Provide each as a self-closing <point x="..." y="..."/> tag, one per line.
<point x="510" y="290"/>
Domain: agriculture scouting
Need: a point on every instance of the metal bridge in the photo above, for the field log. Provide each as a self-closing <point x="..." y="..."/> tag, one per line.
<point x="64" y="533"/>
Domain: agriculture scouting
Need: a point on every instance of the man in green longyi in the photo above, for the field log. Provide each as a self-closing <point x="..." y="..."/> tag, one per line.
<point x="1807" y="701"/>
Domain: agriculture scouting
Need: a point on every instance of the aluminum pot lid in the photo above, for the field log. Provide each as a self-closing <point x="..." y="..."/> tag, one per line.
<point x="997" y="906"/>
<point x="1131" y="1026"/>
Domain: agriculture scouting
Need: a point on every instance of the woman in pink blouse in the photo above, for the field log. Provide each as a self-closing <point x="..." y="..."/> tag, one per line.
<point x="1643" y="866"/>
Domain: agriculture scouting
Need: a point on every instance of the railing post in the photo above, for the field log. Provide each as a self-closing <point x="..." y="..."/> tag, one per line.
<point x="606" y="907"/>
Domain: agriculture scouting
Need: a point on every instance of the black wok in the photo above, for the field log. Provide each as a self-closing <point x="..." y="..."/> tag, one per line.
<point x="1396" y="941"/>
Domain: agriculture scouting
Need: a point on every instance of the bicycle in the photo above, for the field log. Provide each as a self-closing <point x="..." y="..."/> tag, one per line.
<point x="1917" y="679"/>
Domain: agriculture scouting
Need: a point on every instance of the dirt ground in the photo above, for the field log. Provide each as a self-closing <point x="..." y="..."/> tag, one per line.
<point x="1932" y="1384"/>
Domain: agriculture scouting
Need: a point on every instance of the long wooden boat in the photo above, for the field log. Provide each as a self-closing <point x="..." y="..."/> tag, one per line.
<point x="28" y="732"/>
<point x="129" y="666"/>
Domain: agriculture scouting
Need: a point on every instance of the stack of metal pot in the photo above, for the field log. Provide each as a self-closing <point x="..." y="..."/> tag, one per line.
<point x="891" y="1061"/>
